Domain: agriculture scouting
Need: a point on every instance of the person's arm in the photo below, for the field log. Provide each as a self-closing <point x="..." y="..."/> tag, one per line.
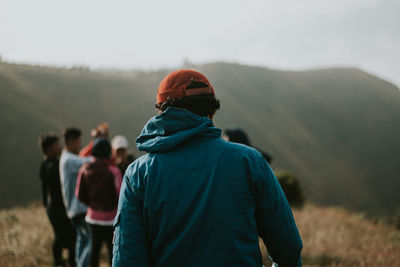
<point x="75" y="163"/>
<point x="80" y="188"/>
<point x="87" y="150"/>
<point x="117" y="178"/>
<point x="42" y="176"/>
<point x="274" y="217"/>
<point x="130" y="243"/>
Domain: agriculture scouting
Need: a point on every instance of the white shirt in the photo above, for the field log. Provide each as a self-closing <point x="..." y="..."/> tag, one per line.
<point x="69" y="167"/>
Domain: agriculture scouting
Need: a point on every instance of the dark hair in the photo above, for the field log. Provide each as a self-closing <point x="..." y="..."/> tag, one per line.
<point x="71" y="134"/>
<point x="237" y="135"/>
<point x="202" y="105"/>
<point x="101" y="148"/>
<point x="46" y="141"/>
<point x="292" y="188"/>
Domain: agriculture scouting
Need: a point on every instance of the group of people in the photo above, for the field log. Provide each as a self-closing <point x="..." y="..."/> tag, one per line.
<point x="194" y="198"/>
<point x="80" y="191"/>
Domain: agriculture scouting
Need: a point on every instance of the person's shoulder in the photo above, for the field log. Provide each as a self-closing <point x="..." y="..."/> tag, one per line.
<point x="135" y="173"/>
<point x="114" y="169"/>
<point x="140" y="162"/>
<point x="43" y="167"/>
<point x="65" y="155"/>
<point x="238" y="149"/>
<point x="141" y="165"/>
<point x="52" y="163"/>
<point x="43" y="163"/>
<point x="86" y="165"/>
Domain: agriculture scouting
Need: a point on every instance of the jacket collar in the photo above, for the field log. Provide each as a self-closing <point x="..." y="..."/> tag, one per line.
<point x="172" y="127"/>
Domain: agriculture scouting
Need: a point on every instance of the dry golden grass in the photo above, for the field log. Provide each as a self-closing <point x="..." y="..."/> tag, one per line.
<point x="335" y="237"/>
<point x="26" y="237"/>
<point x="331" y="237"/>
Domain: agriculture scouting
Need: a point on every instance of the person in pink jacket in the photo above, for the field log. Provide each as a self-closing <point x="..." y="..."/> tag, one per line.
<point x="98" y="185"/>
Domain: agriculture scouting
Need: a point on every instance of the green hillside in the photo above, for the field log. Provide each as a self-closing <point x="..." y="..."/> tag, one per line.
<point x="337" y="129"/>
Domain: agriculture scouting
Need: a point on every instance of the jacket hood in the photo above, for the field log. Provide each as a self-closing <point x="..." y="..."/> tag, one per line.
<point x="172" y="127"/>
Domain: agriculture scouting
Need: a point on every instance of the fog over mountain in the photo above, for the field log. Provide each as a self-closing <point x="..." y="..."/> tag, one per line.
<point x="144" y="34"/>
<point x="337" y="129"/>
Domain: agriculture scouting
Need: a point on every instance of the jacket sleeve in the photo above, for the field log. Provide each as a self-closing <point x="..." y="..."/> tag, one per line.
<point x="275" y="222"/>
<point x="117" y="178"/>
<point x="87" y="150"/>
<point x="42" y="176"/>
<point x="130" y="242"/>
<point x="80" y="188"/>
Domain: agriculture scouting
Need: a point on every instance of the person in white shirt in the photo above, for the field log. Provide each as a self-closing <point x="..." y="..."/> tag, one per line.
<point x="70" y="164"/>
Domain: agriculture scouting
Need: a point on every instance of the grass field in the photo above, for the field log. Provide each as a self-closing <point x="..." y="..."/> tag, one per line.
<point x="331" y="237"/>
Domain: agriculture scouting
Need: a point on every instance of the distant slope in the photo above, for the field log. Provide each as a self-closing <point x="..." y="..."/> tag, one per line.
<point x="331" y="237"/>
<point x="338" y="129"/>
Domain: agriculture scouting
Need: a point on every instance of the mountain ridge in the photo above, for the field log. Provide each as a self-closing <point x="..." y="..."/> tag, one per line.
<point x="308" y="120"/>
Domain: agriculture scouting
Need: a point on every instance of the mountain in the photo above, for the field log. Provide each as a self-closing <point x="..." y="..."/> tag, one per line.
<point x="337" y="129"/>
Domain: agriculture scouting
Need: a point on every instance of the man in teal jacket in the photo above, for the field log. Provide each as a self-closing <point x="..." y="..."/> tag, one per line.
<point x="195" y="199"/>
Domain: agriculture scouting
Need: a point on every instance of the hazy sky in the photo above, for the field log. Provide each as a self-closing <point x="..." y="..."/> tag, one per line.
<point x="283" y="34"/>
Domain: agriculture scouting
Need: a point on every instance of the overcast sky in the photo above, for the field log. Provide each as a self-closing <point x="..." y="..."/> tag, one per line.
<point x="282" y="34"/>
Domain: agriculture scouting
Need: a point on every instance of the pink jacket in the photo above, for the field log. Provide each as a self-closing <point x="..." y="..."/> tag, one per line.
<point x="98" y="185"/>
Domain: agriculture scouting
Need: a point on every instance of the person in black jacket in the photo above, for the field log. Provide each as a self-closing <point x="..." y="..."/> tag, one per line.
<point x="237" y="135"/>
<point x="64" y="234"/>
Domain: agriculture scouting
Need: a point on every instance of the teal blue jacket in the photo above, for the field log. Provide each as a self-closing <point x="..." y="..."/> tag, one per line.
<point x="197" y="200"/>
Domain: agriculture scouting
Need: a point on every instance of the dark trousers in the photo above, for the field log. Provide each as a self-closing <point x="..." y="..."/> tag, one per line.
<point x="57" y="254"/>
<point x="64" y="235"/>
<point x="101" y="234"/>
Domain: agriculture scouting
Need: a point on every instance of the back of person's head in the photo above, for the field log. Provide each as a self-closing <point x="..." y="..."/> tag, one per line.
<point x="101" y="148"/>
<point x="292" y="188"/>
<point x="237" y="135"/>
<point x="71" y="134"/>
<point x="46" y="141"/>
<point x="187" y="89"/>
